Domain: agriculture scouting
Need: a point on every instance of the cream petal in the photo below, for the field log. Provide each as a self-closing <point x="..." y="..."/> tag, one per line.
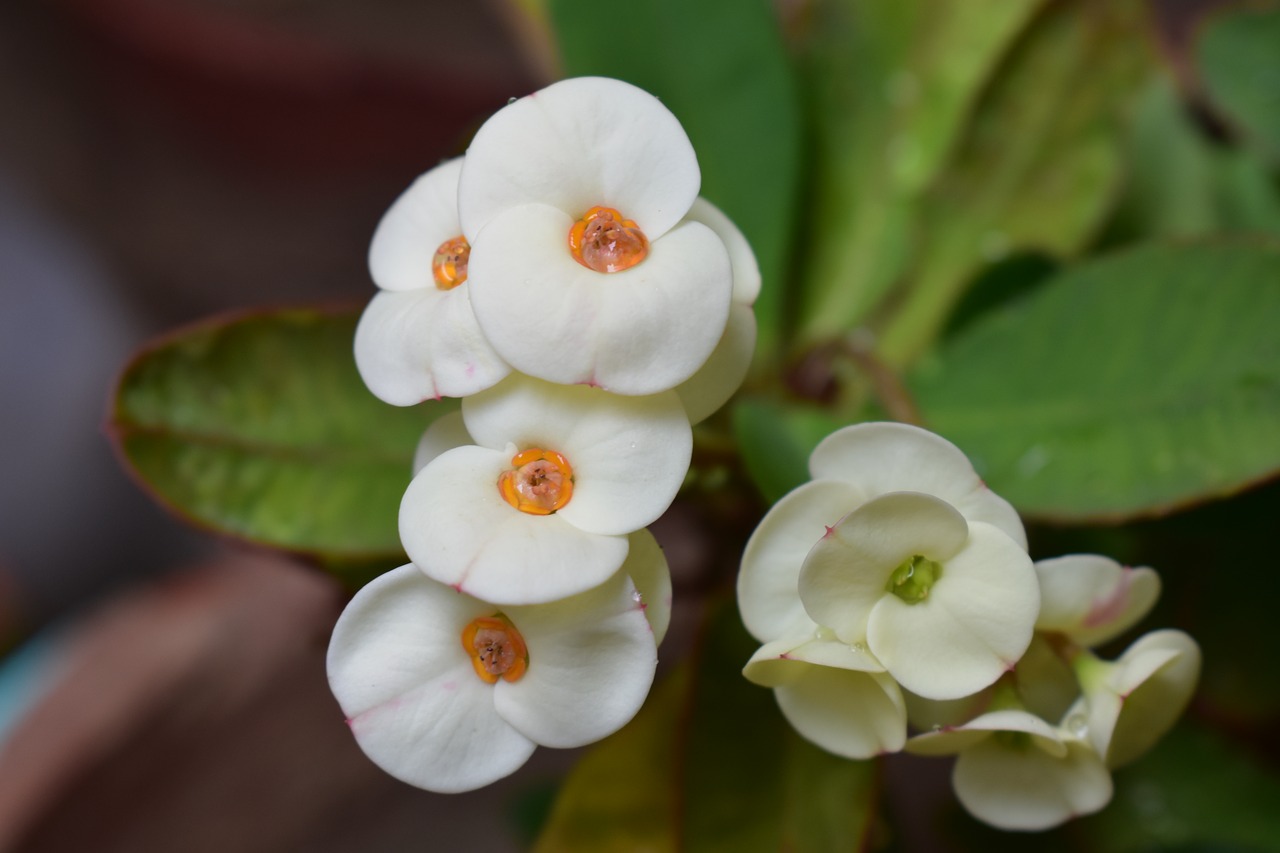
<point x="1025" y="788"/>
<point x="646" y="565"/>
<point x="639" y="331"/>
<point x="853" y="714"/>
<point x="629" y="454"/>
<point x="746" y="272"/>
<point x="445" y="433"/>
<point x="768" y="581"/>
<point x="420" y="344"/>
<point x="580" y="143"/>
<point x="1093" y="599"/>
<point x="893" y="457"/>
<point x="417" y="223"/>
<point x="1147" y="690"/>
<point x="411" y="696"/>
<point x="1046" y="683"/>
<point x="950" y="740"/>
<point x="591" y="663"/>
<point x="717" y="380"/>
<point x="782" y="661"/>
<point x="459" y="530"/>
<point x="974" y="625"/>
<point x="846" y="572"/>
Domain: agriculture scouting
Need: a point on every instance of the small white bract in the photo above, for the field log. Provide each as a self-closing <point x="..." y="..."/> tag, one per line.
<point x="450" y="693"/>
<point x="539" y="507"/>
<point x="584" y="268"/>
<point x="419" y="339"/>
<point x="1091" y="599"/>
<point x="1016" y="771"/>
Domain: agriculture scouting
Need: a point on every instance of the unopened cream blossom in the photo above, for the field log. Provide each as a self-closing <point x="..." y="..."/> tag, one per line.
<point x="584" y="267"/>
<point x="1091" y="599"/>
<point x="418" y="339"/>
<point x="450" y="693"/>
<point x="541" y="505"/>
<point x="1131" y="703"/>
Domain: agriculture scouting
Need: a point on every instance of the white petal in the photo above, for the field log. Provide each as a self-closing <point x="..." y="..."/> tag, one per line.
<point x="646" y="565"/>
<point x="951" y="740"/>
<point x="629" y="454"/>
<point x="417" y="223"/>
<point x="420" y="344"/>
<point x="445" y="433"/>
<point x="413" y="701"/>
<point x="1026" y="788"/>
<point x="1151" y="683"/>
<point x="974" y="625"/>
<point x="577" y="144"/>
<point x="1046" y="683"/>
<point x="722" y="375"/>
<point x="853" y="714"/>
<point x="459" y="530"/>
<point x="892" y="457"/>
<point x="639" y="331"/>
<point x="746" y="272"/>
<point x="768" y="582"/>
<point x="591" y="662"/>
<point x="1093" y="599"/>
<point x="846" y="573"/>
<point x="779" y="662"/>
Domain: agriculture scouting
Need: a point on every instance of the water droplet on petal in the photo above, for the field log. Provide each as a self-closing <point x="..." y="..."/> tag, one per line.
<point x="1078" y="725"/>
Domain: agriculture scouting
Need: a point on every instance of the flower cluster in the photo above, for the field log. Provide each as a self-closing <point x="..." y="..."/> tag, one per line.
<point x="894" y="592"/>
<point x="564" y="278"/>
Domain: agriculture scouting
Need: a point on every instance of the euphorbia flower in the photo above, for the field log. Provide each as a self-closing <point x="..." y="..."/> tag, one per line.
<point x="581" y="268"/>
<point x="946" y="605"/>
<point x="1015" y="771"/>
<point x="850" y="467"/>
<point x="1091" y="599"/>
<point x="450" y="693"/>
<point x="540" y="507"/>
<point x="418" y="338"/>
<point x="1131" y="703"/>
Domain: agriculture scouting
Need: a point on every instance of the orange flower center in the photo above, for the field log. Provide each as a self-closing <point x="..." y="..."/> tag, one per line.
<point x="539" y="481"/>
<point x="604" y="241"/>
<point x="496" y="648"/>
<point x="449" y="266"/>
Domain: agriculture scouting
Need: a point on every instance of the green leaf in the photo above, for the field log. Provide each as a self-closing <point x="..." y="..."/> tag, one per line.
<point x="892" y="84"/>
<point x="1239" y="59"/>
<point x="1038" y="167"/>
<point x="1180" y="184"/>
<point x="261" y="428"/>
<point x="1194" y="790"/>
<point x="1131" y="385"/>
<point x="721" y="67"/>
<point x="775" y="440"/>
<point x="710" y="765"/>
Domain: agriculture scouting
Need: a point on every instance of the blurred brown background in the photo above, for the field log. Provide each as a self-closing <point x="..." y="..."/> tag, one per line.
<point x="162" y="160"/>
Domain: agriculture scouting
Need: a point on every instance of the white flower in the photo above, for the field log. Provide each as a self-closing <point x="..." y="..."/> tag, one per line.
<point x="418" y="338"/>
<point x="1131" y="703"/>
<point x="946" y="605"/>
<point x="1092" y="599"/>
<point x="450" y="693"/>
<point x="850" y="467"/>
<point x="540" y="506"/>
<point x="833" y="694"/>
<point x="717" y="380"/>
<point x="1015" y="771"/>
<point x="581" y="268"/>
